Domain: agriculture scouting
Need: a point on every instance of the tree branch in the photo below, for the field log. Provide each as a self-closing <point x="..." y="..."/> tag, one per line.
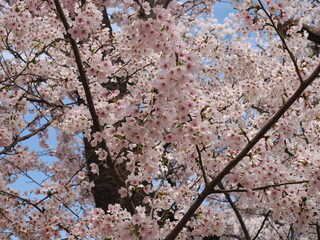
<point x="261" y="227"/>
<point x="21" y="199"/>
<point x="209" y="189"/>
<point x="83" y="77"/>
<point x="166" y="3"/>
<point x="314" y="33"/>
<point x="95" y="119"/>
<point x="201" y="166"/>
<point x="258" y="188"/>
<point x="276" y="230"/>
<point x="15" y="142"/>
<point x="107" y="22"/>
<point x="294" y="61"/>
<point x="236" y="211"/>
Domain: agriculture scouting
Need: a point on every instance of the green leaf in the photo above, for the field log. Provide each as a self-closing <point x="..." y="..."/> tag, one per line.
<point x="204" y="108"/>
<point x="177" y="56"/>
<point x="180" y="125"/>
<point x="164" y="160"/>
<point x="50" y="193"/>
<point x="119" y="136"/>
<point x="206" y="39"/>
<point x="138" y="149"/>
<point x="154" y="90"/>
<point x="112" y="100"/>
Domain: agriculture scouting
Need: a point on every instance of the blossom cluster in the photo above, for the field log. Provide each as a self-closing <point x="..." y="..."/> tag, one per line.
<point x="137" y="106"/>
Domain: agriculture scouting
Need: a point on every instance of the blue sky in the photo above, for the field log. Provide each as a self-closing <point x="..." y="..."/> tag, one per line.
<point x="222" y="10"/>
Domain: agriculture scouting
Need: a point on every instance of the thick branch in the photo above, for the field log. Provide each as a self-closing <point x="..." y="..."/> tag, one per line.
<point x="314" y="33"/>
<point x="96" y="124"/>
<point x="83" y="77"/>
<point x="165" y="3"/>
<point x="107" y="22"/>
<point x="209" y="189"/>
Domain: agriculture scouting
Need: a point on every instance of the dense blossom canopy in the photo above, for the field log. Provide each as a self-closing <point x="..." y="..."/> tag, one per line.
<point x="153" y="120"/>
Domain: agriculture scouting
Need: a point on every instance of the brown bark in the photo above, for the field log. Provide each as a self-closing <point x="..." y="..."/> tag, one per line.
<point x="106" y="185"/>
<point x="314" y="33"/>
<point x="105" y="190"/>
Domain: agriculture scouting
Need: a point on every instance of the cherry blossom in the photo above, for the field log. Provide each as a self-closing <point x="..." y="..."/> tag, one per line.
<point x="150" y="119"/>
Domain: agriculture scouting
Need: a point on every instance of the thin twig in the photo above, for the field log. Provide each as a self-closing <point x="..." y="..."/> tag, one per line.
<point x="261" y="227"/>
<point x="236" y="211"/>
<point x="15" y="142"/>
<point x="22" y="199"/>
<point x="201" y="166"/>
<point x="283" y="42"/>
<point x="276" y="230"/>
<point x="290" y="232"/>
<point x="259" y="188"/>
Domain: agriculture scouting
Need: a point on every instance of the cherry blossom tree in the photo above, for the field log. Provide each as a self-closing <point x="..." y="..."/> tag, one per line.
<point x="160" y="122"/>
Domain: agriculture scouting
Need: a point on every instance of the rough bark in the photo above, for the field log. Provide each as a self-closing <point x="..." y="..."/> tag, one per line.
<point x="105" y="190"/>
